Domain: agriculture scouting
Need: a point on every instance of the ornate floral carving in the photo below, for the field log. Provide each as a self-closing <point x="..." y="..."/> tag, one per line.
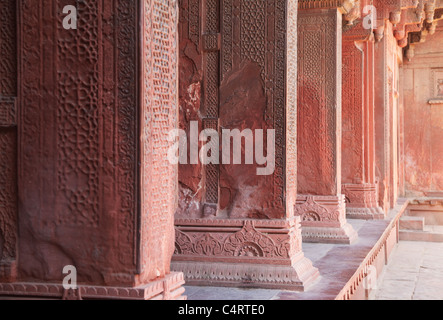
<point x="248" y="242"/>
<point x="311" y="217"/>
<point x="208" y="245"/>
<point x="311" y="211"/>
<point x="183" y="243"/>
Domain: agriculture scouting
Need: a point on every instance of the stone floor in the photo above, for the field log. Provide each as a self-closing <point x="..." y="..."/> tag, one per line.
<point x="415" y="272"/>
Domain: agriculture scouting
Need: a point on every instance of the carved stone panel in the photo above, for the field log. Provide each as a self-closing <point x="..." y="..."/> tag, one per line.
<point x="234" y="226"/>
<point x="436" y="87"/>
<point x="233" y="75"/>
<point x="353" y="114"/>
<point x="158" y="118"/>
<point x="78" y="141"/>
<point x="319" y="102"/>
<point x="8" y="48"/>
<point x="8" y="140"/>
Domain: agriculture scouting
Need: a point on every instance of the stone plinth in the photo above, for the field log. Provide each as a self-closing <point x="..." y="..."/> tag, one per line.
<point x="243" y="253"/>
<point x="324" y="219"/>
<point x="362" y="201"/>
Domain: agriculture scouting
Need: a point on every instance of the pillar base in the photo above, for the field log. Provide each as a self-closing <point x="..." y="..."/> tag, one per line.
<point x="298" y="277"/>
<point x="324" y="219"/>
<point x="365" y="213"/>
<point x="362" y="201"/>
<point x="242" y="253"/>
<point x="167" y="288"/>
<point x="338" y="235"/>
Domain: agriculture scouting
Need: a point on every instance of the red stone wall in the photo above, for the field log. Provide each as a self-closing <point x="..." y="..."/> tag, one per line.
<point x="388" y="58"/>
<point x="424" y="121"/>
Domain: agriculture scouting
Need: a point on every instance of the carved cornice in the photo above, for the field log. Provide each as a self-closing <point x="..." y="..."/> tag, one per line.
<point x="418" y="33"/>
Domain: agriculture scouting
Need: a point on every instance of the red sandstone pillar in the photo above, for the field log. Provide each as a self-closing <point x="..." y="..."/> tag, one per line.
<point x="321" y="204"/>
<point x="89" y="112"/>
<point x="8" y="142"/>
<point x="358" y="178"/>
<point x="238" y="70"/>
<point x="396" y="20"/>
<point x="386" y="80"/>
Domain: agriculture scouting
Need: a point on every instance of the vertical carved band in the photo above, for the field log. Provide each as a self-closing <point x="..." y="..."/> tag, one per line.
<point x="159" y="116"/>
<point x="211" y="88"/>
<point x="8" y="140"/>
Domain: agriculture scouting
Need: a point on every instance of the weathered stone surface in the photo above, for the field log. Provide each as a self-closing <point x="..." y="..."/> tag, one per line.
<point x="235" y="227"/>
<point x="423" y="148"/>
<point x="8" y="142"/>
<point x="85" y="117"/>
<point x="80" y="142"/>
<point x="358" y="146"/>
<point x="320" y="128"/>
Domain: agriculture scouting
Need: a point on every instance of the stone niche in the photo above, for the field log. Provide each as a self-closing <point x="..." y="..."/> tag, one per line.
<point x="86" y="118"/>
<point x="238" y="70"/>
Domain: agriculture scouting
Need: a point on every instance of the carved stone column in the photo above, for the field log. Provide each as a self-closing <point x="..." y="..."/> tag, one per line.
<point x="8" y="141"/>
<point x="386" y="77"/>
<point x="95" y="188"/>
<point x="358" y="159"/>
<point x="238" y="70"/>
<point x="321" y="204"/>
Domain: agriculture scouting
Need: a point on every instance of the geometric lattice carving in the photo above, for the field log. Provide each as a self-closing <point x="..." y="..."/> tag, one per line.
<point x="78" y="138"/>
<point x="159" y="117"/>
